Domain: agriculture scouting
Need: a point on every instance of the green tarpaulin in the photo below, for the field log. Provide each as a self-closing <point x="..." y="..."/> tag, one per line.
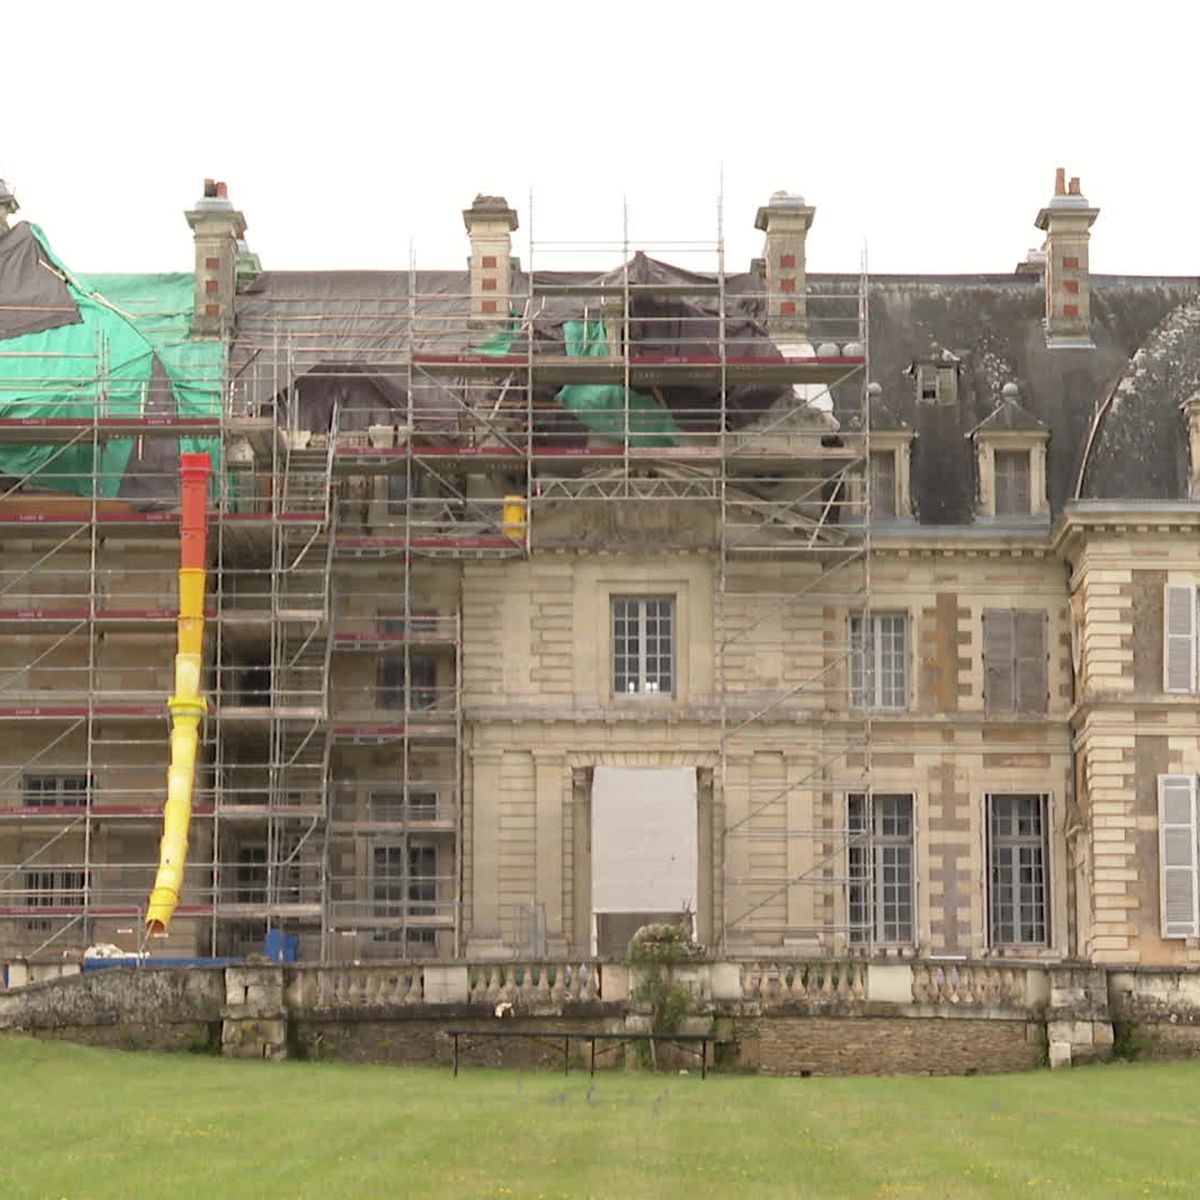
<point x="105" y="365"/>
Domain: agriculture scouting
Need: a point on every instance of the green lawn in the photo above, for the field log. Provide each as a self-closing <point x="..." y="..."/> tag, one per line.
<point x="82" y="1123"/>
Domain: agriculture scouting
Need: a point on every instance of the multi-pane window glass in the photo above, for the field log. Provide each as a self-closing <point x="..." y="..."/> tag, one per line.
<point x="1011" y="473"/>
<point x="643" y="644"/>
<point x="1017" y="895"/>
<point x="879" y="660"/>
<point x="422" y="674"/>
<point x="250" y="875"/>
<point x="53" y="889"/>
<point x="883" y="483"/>
<point x="54" y="791"/>
<point x="404" y="883"/>
<point x="397" y="806"/>
<point x="880" y="889"/>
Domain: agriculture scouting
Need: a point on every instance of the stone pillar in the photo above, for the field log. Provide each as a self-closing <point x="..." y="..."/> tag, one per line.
<point x="549" y="771"/>
<point x="490" y="223"/>
<point x="217" y="229"/>
<point x="254" y="1019"/>
<point x="8" y="204"/>
<point x="483" y="936"/>
<point x="1066" y="221"/>
<point x="785" y="220"/>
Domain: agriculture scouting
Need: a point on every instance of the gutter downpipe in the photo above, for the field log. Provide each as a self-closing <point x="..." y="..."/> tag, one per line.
<point x="187" y="706"/>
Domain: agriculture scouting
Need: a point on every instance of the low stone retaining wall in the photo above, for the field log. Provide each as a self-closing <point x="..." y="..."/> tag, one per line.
<point x="778" y="1016"/>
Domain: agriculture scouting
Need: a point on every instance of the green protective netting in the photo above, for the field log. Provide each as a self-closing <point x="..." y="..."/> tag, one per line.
<point x="103" y="366"/>
<point x="607" y="408"/>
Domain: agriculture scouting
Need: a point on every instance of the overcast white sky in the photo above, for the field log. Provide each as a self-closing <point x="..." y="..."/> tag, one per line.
<point x="928" y="131"/>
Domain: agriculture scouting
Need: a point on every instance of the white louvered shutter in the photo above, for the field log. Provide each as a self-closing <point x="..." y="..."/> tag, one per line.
<point x="1180" y="899"/>
<point x="1179" y="637"/>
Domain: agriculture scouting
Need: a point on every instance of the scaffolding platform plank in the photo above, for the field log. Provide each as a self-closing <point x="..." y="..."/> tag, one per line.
<point x="50" y="431"/>
<point x="644" y="369"/>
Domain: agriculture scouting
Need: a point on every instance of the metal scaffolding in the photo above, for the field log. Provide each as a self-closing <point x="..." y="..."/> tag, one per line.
<point x="368" y="446"/>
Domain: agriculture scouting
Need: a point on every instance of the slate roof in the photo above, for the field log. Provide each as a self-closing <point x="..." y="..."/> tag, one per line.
<point x="1117" y="403"/>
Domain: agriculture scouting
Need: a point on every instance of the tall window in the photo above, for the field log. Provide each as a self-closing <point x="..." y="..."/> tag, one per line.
<point x="401" y="806"/>
<point x="1011" y="474"/>
<point x="54" y="791"/>
<point x="880" y="890"/>
<point x="404" y="884"/>
<point x="883" y="483"/>
<point x="643" y="645"/>
<point x="422" y="674"/>
<point x="879" y="660"/>
<point x="59" y="888"/>
<point x="250" y="876"/>
<point x="1018" y="893"/>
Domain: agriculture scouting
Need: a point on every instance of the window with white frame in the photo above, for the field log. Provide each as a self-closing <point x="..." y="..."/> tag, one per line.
<point x="1178" y="857"/>
<point x="1018" y="876"/>
<point x="54" y="791"/>
<point x="879" y="660"/>
<point x="643" y="645"/>
<point x="880" y="868"/>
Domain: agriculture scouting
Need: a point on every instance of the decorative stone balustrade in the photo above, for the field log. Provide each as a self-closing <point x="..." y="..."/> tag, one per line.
<point x="969" y="985"/>
<point x="770" y="983"/>
<point x="382" y="986"/>
<point x="533" y="984"/>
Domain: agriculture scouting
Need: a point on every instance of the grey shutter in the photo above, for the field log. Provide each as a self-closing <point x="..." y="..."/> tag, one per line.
<point x="1179" y="637"/>
<point x="1180" y="903"/>
<point x="1029" y="637"/>
<point x="998" y="682"/>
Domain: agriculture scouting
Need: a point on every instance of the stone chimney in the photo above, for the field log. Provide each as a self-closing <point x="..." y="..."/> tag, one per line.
<point x="1066" y="221"/>
<point x="490" y="223"/>
<point x="785" y="219"/>
<point x="218" y="229"/>
<point x="8" y="204"/>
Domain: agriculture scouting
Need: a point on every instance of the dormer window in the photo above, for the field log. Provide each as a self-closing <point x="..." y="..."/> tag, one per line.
<point x="936" y="377"/>
<point x="1010" y="455"/>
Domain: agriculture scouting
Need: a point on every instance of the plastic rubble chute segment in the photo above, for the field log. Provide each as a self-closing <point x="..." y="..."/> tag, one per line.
<point x="609" y="409"/>
<point x="187" y="705"/>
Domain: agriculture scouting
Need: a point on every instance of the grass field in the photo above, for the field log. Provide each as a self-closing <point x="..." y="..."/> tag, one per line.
<point x="82" y="1123"/>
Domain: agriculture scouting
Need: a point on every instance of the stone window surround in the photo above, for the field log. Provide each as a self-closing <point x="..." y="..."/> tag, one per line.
<point x="898" y="442"/>
<point x="1022" y="949"/>
<point x="621" y="586"/>
<point x="986" y="445"/>
<point x="909" y="676"/>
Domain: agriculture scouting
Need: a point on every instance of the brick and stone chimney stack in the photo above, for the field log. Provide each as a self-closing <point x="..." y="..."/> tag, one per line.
<point x="218" y="229"/>
<point x="1066" y="221"/>
<point x="8" y="204"/>
<point x="785" y="219"/>
<point x="490" y="223"/>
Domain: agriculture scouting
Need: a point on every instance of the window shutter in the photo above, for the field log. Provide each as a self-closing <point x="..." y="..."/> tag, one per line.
<point x="1029" y="635"/>
<point x="998" y="682"/>
<point x="1180" y="902"/>
<point x="1179" y="638"/>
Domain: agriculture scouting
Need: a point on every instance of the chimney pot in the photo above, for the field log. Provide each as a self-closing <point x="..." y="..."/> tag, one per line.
<point x="210" y="188"/>
<point x="1074" y="188"/>
<point x="1060" y="181"/>
<point x="222" y="190"/>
